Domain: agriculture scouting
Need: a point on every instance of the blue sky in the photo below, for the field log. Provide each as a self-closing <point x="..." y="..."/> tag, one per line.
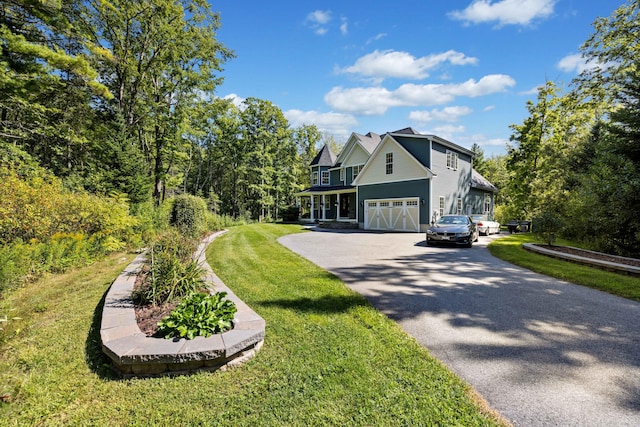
<point x="459" y="69"/>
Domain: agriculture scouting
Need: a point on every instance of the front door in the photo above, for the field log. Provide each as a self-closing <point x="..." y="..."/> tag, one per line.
<point x="344" y="205"/>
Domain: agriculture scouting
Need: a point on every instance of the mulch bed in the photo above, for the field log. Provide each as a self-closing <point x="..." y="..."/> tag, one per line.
<point x="593" y="255"/>
<point x="148" y="317"/>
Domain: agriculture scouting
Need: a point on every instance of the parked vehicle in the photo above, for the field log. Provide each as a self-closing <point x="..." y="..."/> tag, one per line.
<point x="485" y="226"/>
<point x="456" y="229"/>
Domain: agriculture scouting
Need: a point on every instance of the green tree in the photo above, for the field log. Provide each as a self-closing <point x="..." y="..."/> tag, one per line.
<point x="307" y="139"/>
<point x="157" y="57"/>
<point x="479" y="163"/>
<point x="46" y="81"/>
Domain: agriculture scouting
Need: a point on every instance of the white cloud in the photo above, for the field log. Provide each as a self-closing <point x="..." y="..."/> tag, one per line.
<point x="573" y="62"/>
<point x="235" y="99"/>
<point x="488" y="108"/>
<point x="317" y="20"/>
<point x="344" y="27"/>
<point x="448" y="130"/>
<point x="377" y="37"/>
<point x="447" y="114"/>
<point x="390" y="63"/>
<point x="504" y="12"/>
<point x="338" y="124"/>
<point x="319" y="17"/>
<point x="377" y="100"/>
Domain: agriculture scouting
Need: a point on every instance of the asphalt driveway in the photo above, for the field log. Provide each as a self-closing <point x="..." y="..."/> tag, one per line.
<point x="541" y="351"/>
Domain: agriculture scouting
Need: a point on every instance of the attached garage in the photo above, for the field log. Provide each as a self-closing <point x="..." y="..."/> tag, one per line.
<point x="392" y="214"/>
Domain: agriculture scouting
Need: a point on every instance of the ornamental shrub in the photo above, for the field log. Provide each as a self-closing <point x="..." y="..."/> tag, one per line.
<point x="199" y="314"/>
<point x="188" y="215"/>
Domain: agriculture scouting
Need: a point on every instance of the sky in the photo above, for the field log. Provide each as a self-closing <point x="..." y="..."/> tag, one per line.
<point x="460" y="69"/>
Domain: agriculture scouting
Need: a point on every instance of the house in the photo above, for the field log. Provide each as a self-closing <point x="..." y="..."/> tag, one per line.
<point x="399" y="181"/>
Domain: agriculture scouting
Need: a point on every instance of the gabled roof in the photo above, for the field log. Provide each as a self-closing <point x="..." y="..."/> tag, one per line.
<point x="408" y="131"/>
<point x="369" y="141"/>
<point x="481" y="183"/>
<point x="388" y="138"/>
<point x="324" y="158"/>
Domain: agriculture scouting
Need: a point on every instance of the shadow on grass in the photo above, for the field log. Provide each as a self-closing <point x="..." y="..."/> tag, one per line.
<point x="328" y="304"/>
<point x="97" y="361"/>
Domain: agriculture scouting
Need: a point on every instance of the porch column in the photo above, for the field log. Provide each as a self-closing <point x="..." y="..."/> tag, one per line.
<point x="323" y="206"/>
<point x="338" y="206"/>
<point x="312" y="208"/>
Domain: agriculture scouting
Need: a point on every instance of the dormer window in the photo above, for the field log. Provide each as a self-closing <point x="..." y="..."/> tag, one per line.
<point x="452" y="160"/>
<point x="325" y="178"/>
<point x="389" y="163"/>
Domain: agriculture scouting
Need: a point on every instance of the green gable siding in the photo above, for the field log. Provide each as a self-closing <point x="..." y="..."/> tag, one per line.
<point x="418" y="147"/>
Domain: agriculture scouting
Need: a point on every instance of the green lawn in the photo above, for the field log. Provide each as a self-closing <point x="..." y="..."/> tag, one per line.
<point x="329" y="358"/>
<point x="510" y="249"/>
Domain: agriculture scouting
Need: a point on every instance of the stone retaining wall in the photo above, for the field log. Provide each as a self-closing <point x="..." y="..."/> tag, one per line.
<point x="134" y="354"/>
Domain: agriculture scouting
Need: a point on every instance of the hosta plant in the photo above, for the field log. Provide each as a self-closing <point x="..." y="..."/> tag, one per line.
<point x="199" y="314"/>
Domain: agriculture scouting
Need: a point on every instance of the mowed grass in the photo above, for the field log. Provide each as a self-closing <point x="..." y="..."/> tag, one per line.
<point x="510" y="249"/>
<point x="329" y="358"/>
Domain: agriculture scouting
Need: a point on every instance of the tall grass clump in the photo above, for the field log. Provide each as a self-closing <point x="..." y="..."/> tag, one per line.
<point x="171" y="271"/>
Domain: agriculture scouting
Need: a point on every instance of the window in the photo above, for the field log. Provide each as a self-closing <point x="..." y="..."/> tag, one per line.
<point x="314" y="178"/>
<point x="459" y="207"/>
<point x="412" y="203"/>
<point x="452" y="160"/>
<point x="397" y="204"/>
<point x="487" y="204"/>
<point x="384" y="204"/>
<point x="342" y="174"/>
<point x="441" y="205"/>
<point x="355" y="171"/>
<point x="325" y="178"/>
<point x="389" y="163"/>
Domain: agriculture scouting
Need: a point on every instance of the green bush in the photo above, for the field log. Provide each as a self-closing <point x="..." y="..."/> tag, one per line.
<point x="199" y="314"/>
<point x="548" y="226"/>
<point x="188" y="214"/>
<point x="290" y="214"/>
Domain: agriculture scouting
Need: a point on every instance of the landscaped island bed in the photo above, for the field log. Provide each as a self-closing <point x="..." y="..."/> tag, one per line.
<point x="133" y="353"/>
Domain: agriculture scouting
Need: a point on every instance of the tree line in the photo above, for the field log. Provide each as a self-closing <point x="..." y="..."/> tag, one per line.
<point x="119" y="96"/>
<point x="573" y="164"/>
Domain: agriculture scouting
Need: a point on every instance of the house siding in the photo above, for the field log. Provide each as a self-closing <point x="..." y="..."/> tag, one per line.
<point x="405" y="168"/>
<point x="418" y="147"/>
<point x="452" y="184"/>
<point x="396" y="190"/>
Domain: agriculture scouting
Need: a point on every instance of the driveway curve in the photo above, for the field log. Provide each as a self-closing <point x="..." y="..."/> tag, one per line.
<point x="541" y="351"/>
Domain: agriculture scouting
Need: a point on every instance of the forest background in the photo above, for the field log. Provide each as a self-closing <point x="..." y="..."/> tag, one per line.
<point x="108" y="110"/>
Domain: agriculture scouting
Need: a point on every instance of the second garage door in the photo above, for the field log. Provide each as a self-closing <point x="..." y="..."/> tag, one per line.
<point x="392" y="214"/>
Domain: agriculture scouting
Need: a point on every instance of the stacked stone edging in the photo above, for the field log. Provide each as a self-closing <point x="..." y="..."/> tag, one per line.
<point x="602" y="264"/>
<point x="134" y="354"/>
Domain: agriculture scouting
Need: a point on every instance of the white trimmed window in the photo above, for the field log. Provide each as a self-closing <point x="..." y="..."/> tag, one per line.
<point x="355" y="171"/>
<point x="459" y="207"/>
<point x="487" y="203"/>
<point x="441" y="207"/>
<point x="314" y="178"/>
<point x="325" y="178"/>
<point x="389" y="163"/>
<point x="452" y="160"/>
<point x="341" y="174"/>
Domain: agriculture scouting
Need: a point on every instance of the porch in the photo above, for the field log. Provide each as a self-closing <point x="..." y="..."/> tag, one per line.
<point x="328" y="204"/>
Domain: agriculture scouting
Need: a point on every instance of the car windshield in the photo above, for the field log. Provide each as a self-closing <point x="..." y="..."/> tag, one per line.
<point x="456" y="219"/>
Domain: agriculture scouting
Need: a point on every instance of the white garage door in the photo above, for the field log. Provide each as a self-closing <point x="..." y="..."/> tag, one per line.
<point x="392" y="214"/>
